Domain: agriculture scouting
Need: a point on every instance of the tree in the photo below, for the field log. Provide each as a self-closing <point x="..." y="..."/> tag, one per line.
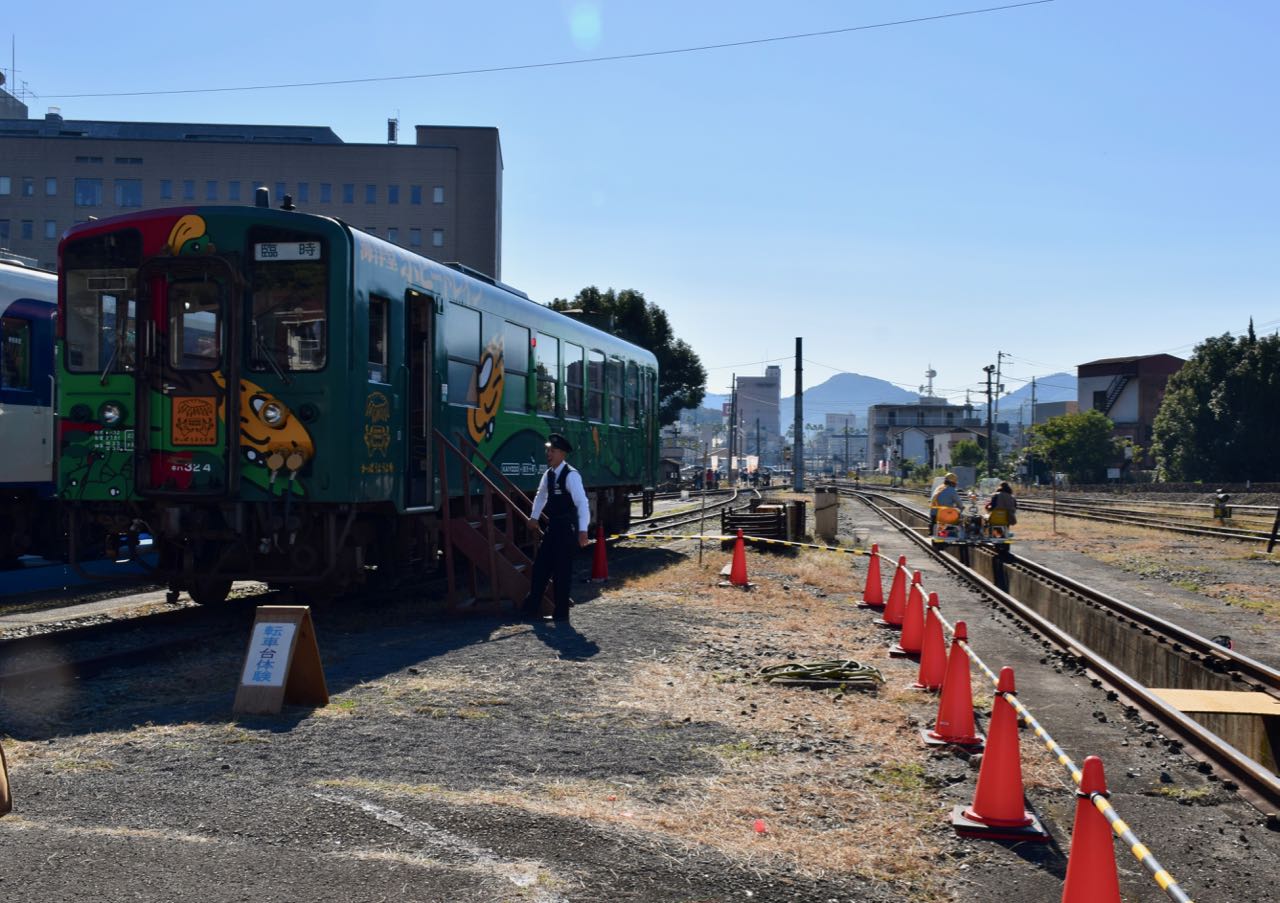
<point x="681" y="376"/>
<point x="967" y="453"/>
<point x="1218" y="419"/>
<point x="1080" y="445"/>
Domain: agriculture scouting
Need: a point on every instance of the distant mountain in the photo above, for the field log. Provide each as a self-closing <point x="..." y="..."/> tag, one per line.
<point x="1054" y="387"/>
<point x="847" y="393"/>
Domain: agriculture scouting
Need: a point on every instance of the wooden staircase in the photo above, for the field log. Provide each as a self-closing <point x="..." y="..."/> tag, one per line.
<point x="485" y="530"/>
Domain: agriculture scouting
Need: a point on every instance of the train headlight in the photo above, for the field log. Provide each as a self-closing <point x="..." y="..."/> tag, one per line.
<point x="111" y="413"/>
<point x="273" y="415"/>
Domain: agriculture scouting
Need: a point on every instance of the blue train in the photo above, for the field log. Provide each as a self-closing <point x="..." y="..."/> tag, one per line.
<point x="29" y="521"/>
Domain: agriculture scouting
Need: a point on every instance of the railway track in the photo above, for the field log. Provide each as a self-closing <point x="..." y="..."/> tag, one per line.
<point x="1129" y="517"/>
<point x="1128" y="650"/>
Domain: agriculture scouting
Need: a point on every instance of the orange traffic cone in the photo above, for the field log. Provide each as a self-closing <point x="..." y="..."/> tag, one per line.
<point x="908" y="645"/>
<point x="599" y="566"/>
<point x="997" y="811"/>
<point x="1091" y="864"/>
<point x="954" y="724"/>
<point x="738" y="573"/>
<point x="933" y="651"/>
<point x="873" y="591"/>
<point x="896" y="607"/>
<point x="6" y="801"/>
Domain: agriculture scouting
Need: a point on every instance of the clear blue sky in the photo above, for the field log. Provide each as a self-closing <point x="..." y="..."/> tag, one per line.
<point x="1062" y="182"/>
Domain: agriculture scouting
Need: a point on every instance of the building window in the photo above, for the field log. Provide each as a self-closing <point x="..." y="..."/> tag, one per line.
<point x="372" y="230"/>
<point x="88" y="192"/>
<point x="128" y="192"/>
<point x="415" y="238"/>
<point x="415" y="194"/>
<point x="304" y="192"/>
<point x="280" y="187"/>
<point x="211" y="190"/>
<point x="50" y="187"/>
<point x="188" y="189"/>
<point x="6" y="186"/>
<point x="129" y="161"/>
<point x="348" y="193"/>
<point x="51" y="228"/>
<point x="393" y="194"/>
<point x="437" y="194"/>
<point x="371" y="194"/>
<point x="233" y="190"/>
<point x="1099" y="400"/>
<point x="437" y="238"/>
<point x="326" y="192"/>
<point x="4" y="230"/>
<point x="166" y="189"/>
<point x="88" y="159"/>
<point x="28" y="229"/>
<point x="28" y="187"/>
<point x="393" y="235"/>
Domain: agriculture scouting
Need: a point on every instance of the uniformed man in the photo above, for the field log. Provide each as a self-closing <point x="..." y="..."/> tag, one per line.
<point x="562" y="497"/>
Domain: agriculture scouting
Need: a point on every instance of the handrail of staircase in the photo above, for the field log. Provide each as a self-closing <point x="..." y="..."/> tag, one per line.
<point x="493" y="487"/>
<point x="471" y="448"/>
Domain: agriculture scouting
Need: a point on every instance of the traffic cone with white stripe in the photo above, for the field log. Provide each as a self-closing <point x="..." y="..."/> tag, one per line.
<point x="933" y="651"/>
<point x="1091" y="863"/>
<point x="997" y="811"/>
<point x="873" y="590"/>
<point x="599" y="564"/>
<point x="896" y="607"/>
<point x="954" y="724"/>
<point x="908" y="645"/>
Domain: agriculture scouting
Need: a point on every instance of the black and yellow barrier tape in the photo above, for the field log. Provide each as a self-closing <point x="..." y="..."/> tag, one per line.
<point x="1159" y="873"/>
<point x="1122" y="830"/>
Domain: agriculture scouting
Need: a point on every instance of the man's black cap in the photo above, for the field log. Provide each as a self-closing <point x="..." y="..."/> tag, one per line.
<point x="555" y="440"/>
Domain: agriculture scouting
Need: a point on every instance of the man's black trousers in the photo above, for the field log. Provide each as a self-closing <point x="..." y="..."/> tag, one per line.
<point x="554" y="562"/>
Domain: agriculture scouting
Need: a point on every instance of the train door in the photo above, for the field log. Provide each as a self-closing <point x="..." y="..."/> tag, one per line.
<point x="183" y="375"/>
<point x="419" y="311"/>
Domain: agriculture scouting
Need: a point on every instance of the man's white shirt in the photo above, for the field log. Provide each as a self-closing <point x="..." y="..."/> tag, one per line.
<point x="577" y="492"/>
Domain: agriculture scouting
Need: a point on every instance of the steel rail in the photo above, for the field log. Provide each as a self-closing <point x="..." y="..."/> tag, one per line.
<point x="1255" y="783"/>
<point x="1217" y="533"/>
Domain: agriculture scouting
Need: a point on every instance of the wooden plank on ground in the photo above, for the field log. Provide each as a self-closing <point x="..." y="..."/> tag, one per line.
<point x="1222" y="702"/>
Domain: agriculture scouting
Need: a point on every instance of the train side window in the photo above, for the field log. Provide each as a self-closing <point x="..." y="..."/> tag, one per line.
<point x="15" y="363"/>
<point x="515" y="365"/>
<point x="617" y="373"/>
<point x="573" y="374"/>
<point x="595" y="385"/>
<point x="633" y="394"/>
<point x="462" y="339"/>
<point x="378" y="307"/>
<point x="547" y="355"/>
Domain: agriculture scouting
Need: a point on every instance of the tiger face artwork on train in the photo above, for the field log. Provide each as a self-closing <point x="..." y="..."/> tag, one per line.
<point x="487" y="386"/>
<point x="271" y="438"/>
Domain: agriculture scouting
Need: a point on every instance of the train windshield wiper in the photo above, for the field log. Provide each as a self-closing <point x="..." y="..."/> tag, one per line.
<point x="269" y="355"/>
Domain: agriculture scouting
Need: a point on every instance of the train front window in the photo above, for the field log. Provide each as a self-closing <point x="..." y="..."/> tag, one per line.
<point x="100" y="275"/>
<point x="195" y="324"/>
<point x="288" y="327"/>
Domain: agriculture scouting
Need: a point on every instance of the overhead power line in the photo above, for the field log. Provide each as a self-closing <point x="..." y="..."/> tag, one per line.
<point x="518" y="67"/>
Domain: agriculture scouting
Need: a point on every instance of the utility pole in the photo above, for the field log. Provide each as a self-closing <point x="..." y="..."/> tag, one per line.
<point x="797" y="457"/>
<point x="1000" y="356"/>
<point x="757" y="442"/>
<point x="732" y="425"/>
<point x="991" y="458"/>
<point x="846" y="446"/>
<point x="1033" y="401"/>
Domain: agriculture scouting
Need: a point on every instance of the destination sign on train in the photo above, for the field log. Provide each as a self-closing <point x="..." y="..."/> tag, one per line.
<point x="286" y="250"/>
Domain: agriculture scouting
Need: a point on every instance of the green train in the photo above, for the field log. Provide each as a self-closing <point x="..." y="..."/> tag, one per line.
<point x="276" y="396"/>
